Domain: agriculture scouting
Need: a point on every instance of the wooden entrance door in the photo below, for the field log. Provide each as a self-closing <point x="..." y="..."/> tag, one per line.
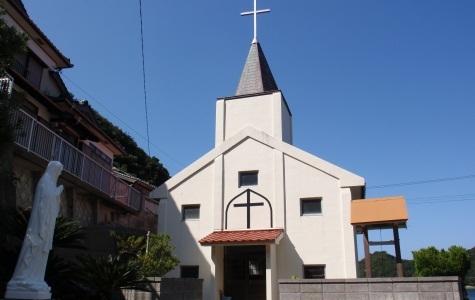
<point x="245" y="272"/>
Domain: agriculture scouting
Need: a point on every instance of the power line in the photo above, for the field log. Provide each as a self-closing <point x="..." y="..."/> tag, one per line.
<point x="137" y="133"/>
<point x="470" y="195"/>
<point x="408" y="183"/>
<point x="143" y="75"/>
<point x="441" y="201"/>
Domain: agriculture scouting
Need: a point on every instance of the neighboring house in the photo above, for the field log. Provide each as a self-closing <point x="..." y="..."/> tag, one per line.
<point x="54" y="126"/>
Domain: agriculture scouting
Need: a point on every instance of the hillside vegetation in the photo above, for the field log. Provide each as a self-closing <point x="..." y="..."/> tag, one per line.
<point x="136" y="162"/>
<point x="384" y="265"/>
<point x="470" y="280"/>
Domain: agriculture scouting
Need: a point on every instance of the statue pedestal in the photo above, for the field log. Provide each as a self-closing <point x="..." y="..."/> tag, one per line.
<point x="27" y="291"/>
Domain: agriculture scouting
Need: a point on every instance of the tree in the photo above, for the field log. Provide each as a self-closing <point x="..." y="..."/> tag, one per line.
<point x="11" y="43"/>
<point x="433" y="262"/>
<point x="470" y="279"/>
<point x="159" y="258"/>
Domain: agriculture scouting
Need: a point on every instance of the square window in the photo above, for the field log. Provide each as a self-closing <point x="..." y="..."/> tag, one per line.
<point x="314" y="272"/>
<point x="312" y="206"/>
<point x="189" y="271"/>
<point x="248" y="178"/>
<point x="191" y="212"/>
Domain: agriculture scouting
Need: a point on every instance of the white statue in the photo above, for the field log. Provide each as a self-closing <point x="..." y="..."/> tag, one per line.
<point x="28" y="280"/>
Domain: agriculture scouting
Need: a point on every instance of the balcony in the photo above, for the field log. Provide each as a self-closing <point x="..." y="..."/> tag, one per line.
<point x="36" y="138"/>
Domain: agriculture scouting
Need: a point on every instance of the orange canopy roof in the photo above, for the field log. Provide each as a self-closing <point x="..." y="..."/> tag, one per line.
<point x="379" y="211"/>
<point x="240" y="237"/>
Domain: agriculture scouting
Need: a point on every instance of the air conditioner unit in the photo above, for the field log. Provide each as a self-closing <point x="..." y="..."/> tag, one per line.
<point x="6" y="84"/>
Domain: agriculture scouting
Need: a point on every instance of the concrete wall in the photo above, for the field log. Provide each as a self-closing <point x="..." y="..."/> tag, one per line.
<point x="430" y="288"/>
<point x="169" y="289"/>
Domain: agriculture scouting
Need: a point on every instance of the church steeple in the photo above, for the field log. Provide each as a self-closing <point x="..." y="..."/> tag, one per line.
<point x="256" y="76"/>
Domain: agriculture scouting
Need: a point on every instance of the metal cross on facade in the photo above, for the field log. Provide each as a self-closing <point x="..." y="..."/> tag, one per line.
<point x="254" y="13"/>
<point x="248" y="205"/>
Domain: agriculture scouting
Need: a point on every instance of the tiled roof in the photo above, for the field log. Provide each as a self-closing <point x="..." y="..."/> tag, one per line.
<point x="132" y="179"/>
<point x="264" y="236"/>
<point x="256" y="76"/>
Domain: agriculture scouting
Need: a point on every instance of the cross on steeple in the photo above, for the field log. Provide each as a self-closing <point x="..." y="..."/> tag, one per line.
<point x="254" y="13"/>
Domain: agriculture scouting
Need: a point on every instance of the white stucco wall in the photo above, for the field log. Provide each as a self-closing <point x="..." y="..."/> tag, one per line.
<point x="267" y="113"/>
<point x="249" y="156"/>
<point x="185" y="234"/>
<point x="315" y="239"/>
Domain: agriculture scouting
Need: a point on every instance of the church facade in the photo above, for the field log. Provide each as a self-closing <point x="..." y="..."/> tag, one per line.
<point x="257" y="209"/>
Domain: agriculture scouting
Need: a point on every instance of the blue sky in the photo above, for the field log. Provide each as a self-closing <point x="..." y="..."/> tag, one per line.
<point x="385" y="89"/>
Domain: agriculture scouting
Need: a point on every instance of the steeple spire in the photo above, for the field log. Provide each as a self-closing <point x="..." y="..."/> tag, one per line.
<point x="256" y="76"/>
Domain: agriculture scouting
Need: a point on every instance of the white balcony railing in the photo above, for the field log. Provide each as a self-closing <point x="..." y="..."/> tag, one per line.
<point x="40" y="140"/>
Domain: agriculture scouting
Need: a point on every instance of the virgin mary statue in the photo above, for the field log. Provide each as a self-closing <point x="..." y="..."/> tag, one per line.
<point x="28" y="279"/>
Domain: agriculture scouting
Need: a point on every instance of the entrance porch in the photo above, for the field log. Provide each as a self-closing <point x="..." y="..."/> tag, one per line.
<point x="245" y="263"/>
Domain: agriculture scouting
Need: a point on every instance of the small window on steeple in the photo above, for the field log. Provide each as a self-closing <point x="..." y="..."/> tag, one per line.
<point x="248" y="178"/>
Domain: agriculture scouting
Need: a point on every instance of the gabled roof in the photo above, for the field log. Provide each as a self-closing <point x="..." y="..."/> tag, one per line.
<point x="346" y="178"/>
<point x="256" y="76"/>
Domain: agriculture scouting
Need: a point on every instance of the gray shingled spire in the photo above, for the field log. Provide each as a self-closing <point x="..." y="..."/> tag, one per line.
<point x="256" y="76"/>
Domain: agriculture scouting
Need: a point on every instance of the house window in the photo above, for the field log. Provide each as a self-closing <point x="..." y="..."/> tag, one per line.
<point x="314" y="272"/>
<point x="312" y="206"/>
<point x="189" y="271"/>
<point x="248" y="178"/>
<point x="191" y="212"/>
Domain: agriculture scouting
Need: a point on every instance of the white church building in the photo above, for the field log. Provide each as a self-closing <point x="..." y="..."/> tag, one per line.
<point x="256" y="209"/>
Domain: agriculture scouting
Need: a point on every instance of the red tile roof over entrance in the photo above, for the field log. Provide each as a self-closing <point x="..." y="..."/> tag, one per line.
<point x="265" y="236"/>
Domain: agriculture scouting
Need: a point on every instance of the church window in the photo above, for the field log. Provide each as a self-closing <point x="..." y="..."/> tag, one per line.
<point x="248" y="178"/>
<point x="312" y="206"/>
<point x="189" y="271"/>
<point x="314" y="272"/>
<point x="191" y="212"/>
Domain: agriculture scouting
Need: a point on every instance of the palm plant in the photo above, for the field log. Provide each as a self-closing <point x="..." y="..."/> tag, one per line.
<point x="103" y="277"/>
<point x="68" y="234"/>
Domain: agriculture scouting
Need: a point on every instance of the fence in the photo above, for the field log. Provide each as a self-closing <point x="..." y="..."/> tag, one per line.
<point x="410" y="288"/>
<point x="42" y="141"/>
<point x="168" y="289"/>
